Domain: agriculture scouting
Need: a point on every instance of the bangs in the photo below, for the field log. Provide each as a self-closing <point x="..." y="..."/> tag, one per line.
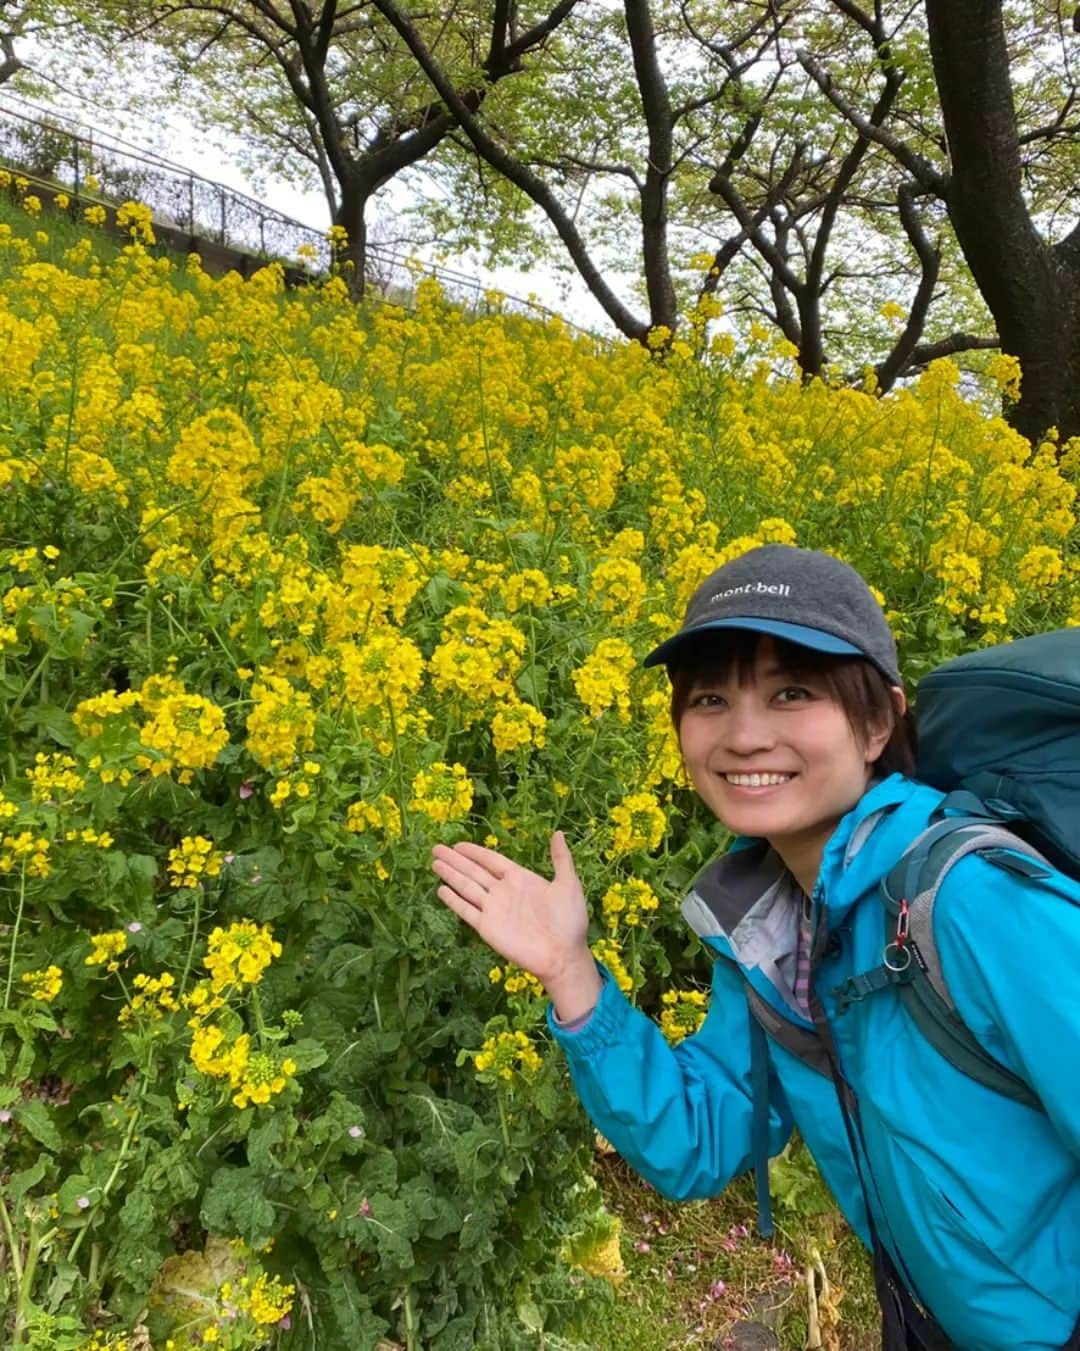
<point x="852" y="682"/>
<point x="721" y="657"/>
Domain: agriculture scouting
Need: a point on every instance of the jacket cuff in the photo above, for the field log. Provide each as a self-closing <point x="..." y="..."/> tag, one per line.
<point x="597" y="1029"/>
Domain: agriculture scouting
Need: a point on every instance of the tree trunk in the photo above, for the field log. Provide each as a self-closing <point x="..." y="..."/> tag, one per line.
<point x="656" y="105"/>
<point x="352" y="255"/>
<point x="1047" y="344"/>
<point x="1030" y="287"/>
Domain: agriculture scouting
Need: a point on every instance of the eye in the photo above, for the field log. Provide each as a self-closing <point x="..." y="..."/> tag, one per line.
<point x="791" y="694"/>
<point x="706" y="699"/>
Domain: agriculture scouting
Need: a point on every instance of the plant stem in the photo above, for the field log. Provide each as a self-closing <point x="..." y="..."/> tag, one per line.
<point x="9" y="1235"/>
<point x="502" y="1118"/>
<point x="15" y="935"/>
<point x="399" y="771"/>
<point x="403" y="985"/>
<point x="410" y="1320"/>
<point x="194" y="939"/>
<point x="280" y="504"/>
<point x="29" y="684"/>
<point x="24" y="1305"/>
<point x="129" y="1135"/>
<point x="256" y="1008"/>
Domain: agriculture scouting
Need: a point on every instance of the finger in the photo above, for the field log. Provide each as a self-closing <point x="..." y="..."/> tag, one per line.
<point x="469" y="889"/>
<point x="498" y="865"/>
<point x="450" y="898"/>
<point x="455" y="869"/>
<point x="561" y="859"/>
<point x="468" y="858"/>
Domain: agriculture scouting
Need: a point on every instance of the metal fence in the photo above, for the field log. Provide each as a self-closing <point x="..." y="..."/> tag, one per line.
<point x="95" y="167"/>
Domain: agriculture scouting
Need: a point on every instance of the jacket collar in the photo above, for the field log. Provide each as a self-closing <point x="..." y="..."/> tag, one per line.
<point x="861" y="850"/>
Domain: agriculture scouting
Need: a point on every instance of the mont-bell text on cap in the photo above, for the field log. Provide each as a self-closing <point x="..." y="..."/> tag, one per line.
<point x="799" y="594"/>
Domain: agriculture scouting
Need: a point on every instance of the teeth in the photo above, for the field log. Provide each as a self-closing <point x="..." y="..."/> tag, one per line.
<point x="757" y="780"/>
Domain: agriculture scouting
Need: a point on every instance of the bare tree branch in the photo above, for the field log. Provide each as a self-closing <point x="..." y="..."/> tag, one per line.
<point x="656" y="106"/>
<point x="566" y="163"/>
<point x="517" y="173"/>
<point x="947" y="347"/>
<point x="929" y="256"/>
<point x="920" y="168"/>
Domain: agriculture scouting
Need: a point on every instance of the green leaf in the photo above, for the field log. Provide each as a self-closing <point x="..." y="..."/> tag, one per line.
<point x="396" y="1225"/>
<point x="73" y="1187"/>
<point x="796" y="1183"/>
<point x="65" y="1276"/>
<point x="458" y="1335"/>
<point x="23" y="1181"/>
<point x="333" y="1127"/>
<point x="78" y="627"/>
<point x="56" y="724"/>
<point x="186" y="1285"/>
<point x="533" y="682"/>
<point x="378" y="1173"/>
<point x="308" y="1054"/>
<point x="443" y="593"/>
<point x="262" y="1138"/>
<point x="528" y="1311"/>
<point x="351" y="1310"/>
<point x="236" y="1203"/>
<point x="37" y="1120"/>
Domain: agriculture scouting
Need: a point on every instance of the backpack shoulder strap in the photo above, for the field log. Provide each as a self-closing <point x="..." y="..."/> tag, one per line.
<point x="917" y="879"/>
<point x="911" y="963"/>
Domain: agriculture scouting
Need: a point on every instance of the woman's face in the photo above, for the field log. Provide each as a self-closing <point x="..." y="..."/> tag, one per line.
<point x="775" y="757"/>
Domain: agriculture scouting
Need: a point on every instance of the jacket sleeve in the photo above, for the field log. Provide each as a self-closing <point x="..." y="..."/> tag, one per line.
<point x="1010" y="951"/>
<point x="681" y="1116"/>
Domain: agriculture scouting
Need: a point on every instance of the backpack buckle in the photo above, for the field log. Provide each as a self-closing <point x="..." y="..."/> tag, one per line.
<point x="903" y="924"/>
<point x="856" y="988"/>
<point x="897" y="954"/>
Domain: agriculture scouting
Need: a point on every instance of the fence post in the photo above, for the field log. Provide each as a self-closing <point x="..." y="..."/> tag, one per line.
<point x="75" y="141"/>
<point x="221" y="199"/>
<point x="191" y="204"/>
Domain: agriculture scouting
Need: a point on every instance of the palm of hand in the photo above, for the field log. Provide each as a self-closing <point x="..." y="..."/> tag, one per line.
<point x="537" y="924"/>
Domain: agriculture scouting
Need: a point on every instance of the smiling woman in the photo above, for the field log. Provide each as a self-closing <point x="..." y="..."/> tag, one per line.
<point x="776" y="756"/>
<point x="794" y="731"/>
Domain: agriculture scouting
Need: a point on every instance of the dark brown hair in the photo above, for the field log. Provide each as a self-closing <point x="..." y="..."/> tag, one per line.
<point x="854" y="683"/>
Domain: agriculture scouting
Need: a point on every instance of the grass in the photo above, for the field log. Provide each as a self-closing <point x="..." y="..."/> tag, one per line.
<point x="64" y="230"/>
<point x="695" y="1269"/>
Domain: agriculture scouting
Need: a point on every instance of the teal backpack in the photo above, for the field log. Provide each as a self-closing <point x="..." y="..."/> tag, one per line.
<point x="999" y="732"/>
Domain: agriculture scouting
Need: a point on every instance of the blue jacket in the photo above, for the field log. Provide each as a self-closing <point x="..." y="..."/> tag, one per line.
<point x="976" y="1196"/>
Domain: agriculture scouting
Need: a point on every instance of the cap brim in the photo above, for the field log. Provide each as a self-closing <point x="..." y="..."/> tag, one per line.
<point x="776" y="628"/>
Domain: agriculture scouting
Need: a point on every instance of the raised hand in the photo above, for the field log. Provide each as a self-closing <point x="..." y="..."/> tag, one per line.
<point x="539" y="925"/>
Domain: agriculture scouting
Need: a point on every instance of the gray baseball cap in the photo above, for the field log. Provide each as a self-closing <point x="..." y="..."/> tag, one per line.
<point x="800" y="595"/>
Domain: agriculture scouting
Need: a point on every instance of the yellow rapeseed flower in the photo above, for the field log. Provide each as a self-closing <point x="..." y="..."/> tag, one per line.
<point x="193" y="859"/>
<point x="239" y="955"/>
<point x="639" y="823"/>
<point x="442" y="792"/>
<point x="106" y="947"/>
<point x="43" y="985"/>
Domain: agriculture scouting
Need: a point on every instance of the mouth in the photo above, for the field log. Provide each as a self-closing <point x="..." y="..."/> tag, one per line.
<point x="768" y="780"/>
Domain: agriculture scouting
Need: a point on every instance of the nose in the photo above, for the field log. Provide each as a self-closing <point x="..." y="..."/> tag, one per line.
<point x="748" y="728"/>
